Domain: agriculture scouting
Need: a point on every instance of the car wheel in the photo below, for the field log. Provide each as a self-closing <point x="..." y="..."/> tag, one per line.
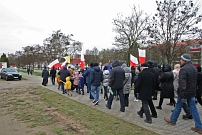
<point x="6" y="78"/>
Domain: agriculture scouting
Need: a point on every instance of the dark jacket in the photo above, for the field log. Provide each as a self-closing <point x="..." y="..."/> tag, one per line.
<point x="145" y="84"/>
<point x="96" y="76"/>
<point x="63" y="74"/>
<point x="45" y="73"/>
<point x="187" y="81"/>
<point x="167" y="87"/>
<point x="117" y="76"/>
<point x="86" y="74"/>
<point x="53" y="72"/>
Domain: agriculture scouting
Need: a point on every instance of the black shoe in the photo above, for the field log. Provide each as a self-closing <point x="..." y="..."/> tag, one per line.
<point x="96" y="103"/>
<point x="141" y="116"/>
<point x="153" y="116"/>
<point x="150" y="122"/>
<point x="82" y="93"/>
<point x="186" y="117"/>
<point x="108" y="106"/>
<point x="158" y="107"/>
<point x="117" y="98"/>
<point x="122" y="110"/>
<point x="126" y="105"/>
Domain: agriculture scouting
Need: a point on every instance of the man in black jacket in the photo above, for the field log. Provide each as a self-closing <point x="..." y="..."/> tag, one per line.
<point x="144" y="87"/>
<point x="63" y="74"/>
<point x="186" y="93"/>
<point x="117" y="76"/>
<point x="53" y="74"/>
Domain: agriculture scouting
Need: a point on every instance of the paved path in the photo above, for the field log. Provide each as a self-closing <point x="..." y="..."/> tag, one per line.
<point x="183" y="127"/>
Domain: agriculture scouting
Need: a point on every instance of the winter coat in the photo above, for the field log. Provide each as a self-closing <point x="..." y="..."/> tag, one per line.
<point x="76" y="78"/>
<point x="167" y="87"/>
<point x="175" y="81"/>
<point x="145" y="84"/>
<point x="58" y="78"/>
<point x="63" y="74"/>
<point x="117" y="76"/>
<point x="81" y="81"/>
<point x="45" y="73"/>
<point x="67" y="84"/>
<point x="105" y="81"/>
<point x="96" y="76"/>
<point x="187" y="81"/>
<point x="87" y="74"/>
<point x="127" y="81"/>
<point x="53" y="72"/>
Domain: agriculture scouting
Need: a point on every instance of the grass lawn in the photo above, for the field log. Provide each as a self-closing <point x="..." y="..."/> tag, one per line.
<point x="38" y="106"/>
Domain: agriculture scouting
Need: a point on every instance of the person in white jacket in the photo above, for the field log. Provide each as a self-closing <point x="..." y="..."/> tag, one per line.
<point x="105" y="82"/>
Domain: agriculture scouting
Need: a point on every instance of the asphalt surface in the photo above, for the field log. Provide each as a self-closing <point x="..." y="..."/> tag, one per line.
<point x="182" y="127"/>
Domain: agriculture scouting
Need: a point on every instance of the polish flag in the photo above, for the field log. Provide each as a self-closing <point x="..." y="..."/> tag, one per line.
<point x="55" y="64"/>
<point x="142" y="56"/>
<point x="82" y="62"/>
<point x="63" y="65"/>
<point x="133" y="61"/>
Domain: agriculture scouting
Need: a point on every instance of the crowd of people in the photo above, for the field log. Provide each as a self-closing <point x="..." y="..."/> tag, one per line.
<point x="181" y="84"/>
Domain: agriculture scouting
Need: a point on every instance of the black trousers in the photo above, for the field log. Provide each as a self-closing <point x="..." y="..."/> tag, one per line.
<point x="53" y="80"/>
<point x="45" y="81"/>
<point x="111" y="97"/>
<point x="145" y="109"/>
<point x="152" y="108"/>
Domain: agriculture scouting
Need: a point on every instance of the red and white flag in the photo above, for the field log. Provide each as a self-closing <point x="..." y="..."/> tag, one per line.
<point x="82" y="61"/>
<point x="54" y="64"/>
<point x="133" y="61"/>
<point x="142" y="56"/>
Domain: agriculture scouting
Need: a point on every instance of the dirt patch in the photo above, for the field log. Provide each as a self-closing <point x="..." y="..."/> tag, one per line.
<point x="22" y="111"/>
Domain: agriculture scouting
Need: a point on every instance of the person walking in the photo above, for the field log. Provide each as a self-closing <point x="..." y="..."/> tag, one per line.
<point x="167" y="87"/>
<point x="135" y="80"/>
<point x="127" y="85"/>
<point x="186" y="93"/>
<point x="117" y="76"/>
<point x="86" y="74"/>
<point x="63" y="74"/>
<point x="81" y="83"/>
<point x="96" y="78"/>
<point x="144" y="87"/>
<point x="105" y="82"/>
<point x="199" y="86"/>
<point x="45" y="75"/>
<point x="53" y="74"/>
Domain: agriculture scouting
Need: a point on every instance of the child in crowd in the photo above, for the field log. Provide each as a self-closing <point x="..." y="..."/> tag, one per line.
<point x="76" y="80"/>
<point x="58" y="81"/>
<point x="81" y="83"/>
<point x="67" y="86"/>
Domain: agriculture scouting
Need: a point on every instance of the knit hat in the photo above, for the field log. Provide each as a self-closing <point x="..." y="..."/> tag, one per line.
<point x="144" y="65"/>
<point x="186" y="57"/>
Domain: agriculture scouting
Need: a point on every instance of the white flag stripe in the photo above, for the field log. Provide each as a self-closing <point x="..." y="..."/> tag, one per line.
<point x="142" y="53"/>
<point x="53" y="63"/>
<point x="133" y="59"/>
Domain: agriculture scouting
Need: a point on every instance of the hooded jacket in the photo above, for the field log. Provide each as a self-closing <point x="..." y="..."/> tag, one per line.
<point x="96" y="76"/>
<point x="63" y="74"/>
<point x="127" y="81"/>
<point x="105" y="78"/>
<point x="117" y="76"/>
<point x="68" y="84"/>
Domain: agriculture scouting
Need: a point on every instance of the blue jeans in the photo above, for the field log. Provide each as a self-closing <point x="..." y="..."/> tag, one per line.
<point x="193" y="109"/>
<point x="89" y="89"/>
<point x="95" y="92"/>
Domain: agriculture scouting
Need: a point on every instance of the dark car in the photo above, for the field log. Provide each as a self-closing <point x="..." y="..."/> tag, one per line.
<point x="10" y="74"/>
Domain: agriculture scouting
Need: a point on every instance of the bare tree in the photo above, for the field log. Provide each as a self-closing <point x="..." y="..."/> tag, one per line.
<point x="130" y="31"/>
<point x="174" y="22"/>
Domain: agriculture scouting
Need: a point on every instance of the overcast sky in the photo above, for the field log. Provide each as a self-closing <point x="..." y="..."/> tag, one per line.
<point x="28" y="22"/>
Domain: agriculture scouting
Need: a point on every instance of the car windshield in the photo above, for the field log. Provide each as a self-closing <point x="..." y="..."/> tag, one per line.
<point x="11" y="70"/>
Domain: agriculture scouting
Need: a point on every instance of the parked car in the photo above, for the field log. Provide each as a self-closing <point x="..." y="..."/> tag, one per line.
<point x="10" y="74"/>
